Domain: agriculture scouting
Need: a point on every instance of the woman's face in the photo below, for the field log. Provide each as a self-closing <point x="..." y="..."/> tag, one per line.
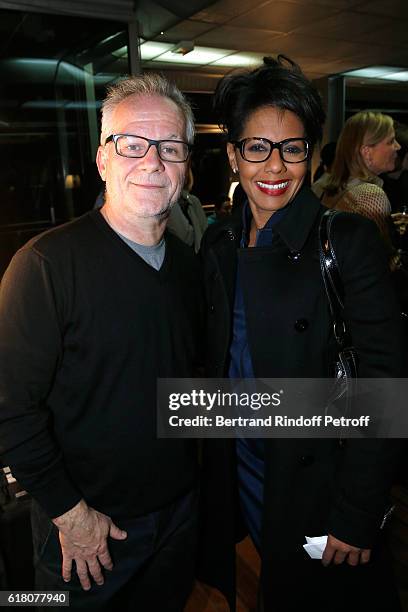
<point x="272" y="184"/>
<point x="382" y="156"/>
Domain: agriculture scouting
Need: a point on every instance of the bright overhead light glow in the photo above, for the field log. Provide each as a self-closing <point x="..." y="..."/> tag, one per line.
<point x="397" y="76"/>
<point x="109" y="38"/>
<point x="32" y="61"/>
<point x="238" y="59"/>
<point x="150" y="50"/>
<point x="373" y="72"/>
<point x="122" y="52"/>
<point x="200" y="55"/>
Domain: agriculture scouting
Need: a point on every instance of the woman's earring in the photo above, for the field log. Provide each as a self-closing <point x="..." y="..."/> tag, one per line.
<point x="235" y="170"/>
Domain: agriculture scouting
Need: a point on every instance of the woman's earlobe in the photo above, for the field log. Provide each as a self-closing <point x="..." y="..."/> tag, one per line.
<point x="365" y="153"/>
<point x="232" y="157"/>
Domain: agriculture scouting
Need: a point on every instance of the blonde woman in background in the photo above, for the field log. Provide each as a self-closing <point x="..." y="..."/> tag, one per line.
<point x="366" y="148"/>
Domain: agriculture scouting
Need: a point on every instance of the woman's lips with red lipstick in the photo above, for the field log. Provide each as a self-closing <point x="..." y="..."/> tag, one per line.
<point x="272" y="188"/>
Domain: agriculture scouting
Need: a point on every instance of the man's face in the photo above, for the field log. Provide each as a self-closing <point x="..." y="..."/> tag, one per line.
<point x="143" y="187"/>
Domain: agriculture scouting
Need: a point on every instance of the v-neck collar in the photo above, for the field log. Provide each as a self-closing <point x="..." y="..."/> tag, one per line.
<point x="103" y="225"/>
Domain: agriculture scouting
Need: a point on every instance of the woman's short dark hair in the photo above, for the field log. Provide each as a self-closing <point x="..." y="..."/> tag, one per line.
<point x="277" y="82"/>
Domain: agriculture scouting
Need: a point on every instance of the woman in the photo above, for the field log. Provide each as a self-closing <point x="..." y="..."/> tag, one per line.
<point x="366" y="149"/>
<point x="268" y="318"/>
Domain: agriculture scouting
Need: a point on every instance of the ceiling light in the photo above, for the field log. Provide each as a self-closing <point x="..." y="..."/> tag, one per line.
<point x="200" y="55"/>
<point x="397" y="76"/>
<point x="122" y="52"/>
<point x="239" y="59"/>
<point x="373" y="72"/>
<point x="150" y="50"/>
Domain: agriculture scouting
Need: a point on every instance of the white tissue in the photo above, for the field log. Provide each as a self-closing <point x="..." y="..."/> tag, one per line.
<point x="315" y="546"/>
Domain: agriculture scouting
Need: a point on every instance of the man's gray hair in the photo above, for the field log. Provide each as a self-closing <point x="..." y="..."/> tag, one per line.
<point x="145" y="84"/>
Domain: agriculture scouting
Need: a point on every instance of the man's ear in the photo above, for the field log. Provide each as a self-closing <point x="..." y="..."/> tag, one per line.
<point x="231" y="152"/>
<point x="101" y="161"/>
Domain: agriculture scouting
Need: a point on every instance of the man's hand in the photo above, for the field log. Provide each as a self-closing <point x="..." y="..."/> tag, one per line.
<point x="338" y="551"/>
<point x="83" y="534"/>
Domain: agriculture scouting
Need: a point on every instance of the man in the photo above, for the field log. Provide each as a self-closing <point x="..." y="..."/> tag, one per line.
<point x="91" y="314"/>
<point x="187" y="218"/>
<point x="322" y="174"/>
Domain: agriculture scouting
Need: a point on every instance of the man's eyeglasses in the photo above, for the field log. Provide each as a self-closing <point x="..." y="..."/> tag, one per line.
<point x="130" y="145"/>
<point x="257" y="150"/>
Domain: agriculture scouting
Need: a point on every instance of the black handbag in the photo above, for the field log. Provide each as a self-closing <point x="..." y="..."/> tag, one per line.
<point x="344" y="365"/>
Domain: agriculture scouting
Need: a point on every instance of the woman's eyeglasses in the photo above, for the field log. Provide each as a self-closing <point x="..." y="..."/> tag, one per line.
<point x="257" y="150"/>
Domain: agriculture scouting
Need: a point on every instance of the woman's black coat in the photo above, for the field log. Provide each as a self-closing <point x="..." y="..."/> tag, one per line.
<point x="312" y="487"/>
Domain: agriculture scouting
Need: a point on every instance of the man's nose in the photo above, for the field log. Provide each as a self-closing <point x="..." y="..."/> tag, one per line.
<point x="152" y="159"/>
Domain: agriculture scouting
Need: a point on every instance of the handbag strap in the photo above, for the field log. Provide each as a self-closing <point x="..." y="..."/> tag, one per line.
<point x="331" y="277"/>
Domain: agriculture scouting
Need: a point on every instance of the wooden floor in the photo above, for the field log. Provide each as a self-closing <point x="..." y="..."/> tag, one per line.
<point x="205" y="599"/>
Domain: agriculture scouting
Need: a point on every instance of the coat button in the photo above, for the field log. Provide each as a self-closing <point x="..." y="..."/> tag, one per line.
<point x="301" y="325"/>
<point x="212" y="308"/>
<point x="231" y="235"/>
<point x="294" y="256"/>
<point x="307" y="460"/>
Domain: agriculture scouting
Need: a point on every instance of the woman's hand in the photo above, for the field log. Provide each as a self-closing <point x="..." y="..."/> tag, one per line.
<point x="337" y="552"/>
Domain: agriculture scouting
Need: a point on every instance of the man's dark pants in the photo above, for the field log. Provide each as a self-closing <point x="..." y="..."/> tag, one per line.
<point x="153" y="568"/>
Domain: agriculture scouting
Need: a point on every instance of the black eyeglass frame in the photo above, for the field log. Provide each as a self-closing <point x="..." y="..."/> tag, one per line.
<point x="114" y="138"/>
<point x="240" y="144"/>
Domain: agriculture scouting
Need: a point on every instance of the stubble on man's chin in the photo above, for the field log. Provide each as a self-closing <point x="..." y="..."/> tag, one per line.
<point x="165" y="213"/>
<point x="161" y="215"/>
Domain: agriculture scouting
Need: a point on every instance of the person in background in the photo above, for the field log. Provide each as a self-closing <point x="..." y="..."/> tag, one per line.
<point x="396" y="187"/>
<point x="187" y="218"/>
<point x="92" y="313"/>
<point x="322" y="173"/>
<point x="222" y="209"/>
<point x="366" y="148"/>
<point x="396" y="182"/>
<point x="268" y="317"/>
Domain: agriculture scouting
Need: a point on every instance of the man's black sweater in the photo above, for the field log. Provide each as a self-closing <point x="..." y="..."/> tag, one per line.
<point x="86" y="328"/>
